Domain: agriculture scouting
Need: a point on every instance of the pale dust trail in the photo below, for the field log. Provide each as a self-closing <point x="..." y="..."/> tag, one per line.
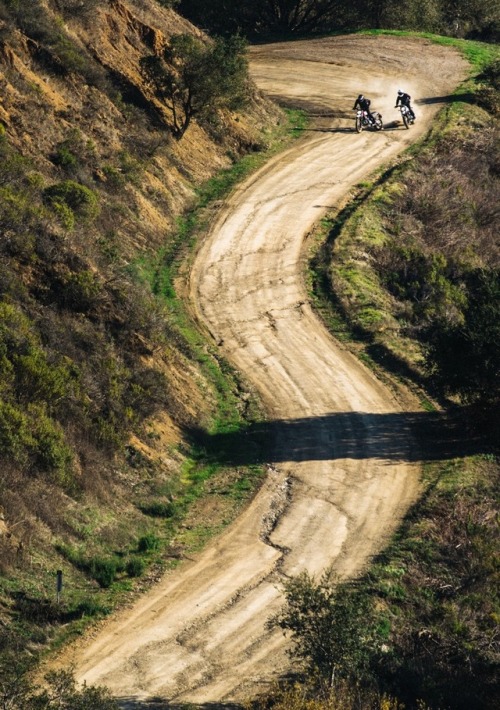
<point x="342" y="481"/>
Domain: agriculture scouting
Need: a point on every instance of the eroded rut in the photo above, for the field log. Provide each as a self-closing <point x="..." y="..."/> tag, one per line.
<point x="344" y="468"/>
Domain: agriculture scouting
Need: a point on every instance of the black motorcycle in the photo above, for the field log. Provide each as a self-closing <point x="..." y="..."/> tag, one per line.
<point x="363" y="121"/>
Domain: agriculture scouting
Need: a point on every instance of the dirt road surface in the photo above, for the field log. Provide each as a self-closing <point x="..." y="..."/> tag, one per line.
<point x="344" y="467"/>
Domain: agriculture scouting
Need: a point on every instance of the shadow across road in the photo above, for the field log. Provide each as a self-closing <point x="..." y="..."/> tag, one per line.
<point x="449" y="99"/>
<point x="404" y="436"/>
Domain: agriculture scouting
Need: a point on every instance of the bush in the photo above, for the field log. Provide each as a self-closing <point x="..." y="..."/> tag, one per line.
<point x="465" y="356"/>
<point x="50" y="451"/>
<point x="15" y="433"/>
<point x="65" y="158"/>
<point x="330" y="626"/>
<point x="104" y="571"/>
<point x="80" y="199"/>
<point x="91" y="607"/>
<point x="81" y="290"/>
<point x="160" y="510"/>
<point x="148" y="543"/>
<point x="135" y="567"/>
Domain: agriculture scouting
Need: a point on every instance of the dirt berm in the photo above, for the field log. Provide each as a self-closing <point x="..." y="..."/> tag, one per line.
<point x="345" y="468"/>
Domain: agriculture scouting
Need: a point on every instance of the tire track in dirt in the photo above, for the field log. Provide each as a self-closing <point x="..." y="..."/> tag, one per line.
<point x="341" y="476"/>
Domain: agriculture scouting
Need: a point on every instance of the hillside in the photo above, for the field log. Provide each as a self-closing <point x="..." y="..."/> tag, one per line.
<point x="98" y="378"/>
<point x="116" y="413"/>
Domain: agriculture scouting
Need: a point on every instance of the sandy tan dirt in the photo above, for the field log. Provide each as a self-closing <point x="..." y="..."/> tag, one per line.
<point x="343" y="471"/>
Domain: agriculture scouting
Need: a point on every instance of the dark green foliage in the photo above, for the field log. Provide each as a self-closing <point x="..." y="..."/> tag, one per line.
<point x="31" y="387"/>
<point x="285" y="18"/>
<point x="18" y="690"/>
<point x="103" y="570"/>
<point x="329" y="626"/>
<point x="75" y="155"/>
<point x="135" y="567"/>
<point x="160" y="510"/>
<point x="269" y="17"/>
<point x="488" y="94"/>
<point x="465" y="356"/>
<point x="195" y="78"/>
<point x="62" y="693"/>
<point x="148" y="543"/>
<point x="80" y="199"/>
<point x="442" y="636"/>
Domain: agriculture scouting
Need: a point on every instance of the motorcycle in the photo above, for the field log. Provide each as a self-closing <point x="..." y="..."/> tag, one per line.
<point x="407" y="116"/>
<point x="363" y="121"/>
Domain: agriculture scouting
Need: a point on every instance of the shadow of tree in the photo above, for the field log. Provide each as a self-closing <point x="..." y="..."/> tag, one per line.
<point x="404" y="436"/>
<point x="466" y="97"/>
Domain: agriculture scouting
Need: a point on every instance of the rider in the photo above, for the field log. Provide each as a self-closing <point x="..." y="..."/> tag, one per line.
<point x="364" y="104"/>
<point x="404" y="100"/>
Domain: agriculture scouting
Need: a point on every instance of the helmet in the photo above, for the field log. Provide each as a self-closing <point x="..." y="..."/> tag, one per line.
<point x="360" y="96"/>
<point x="400" y="91"/>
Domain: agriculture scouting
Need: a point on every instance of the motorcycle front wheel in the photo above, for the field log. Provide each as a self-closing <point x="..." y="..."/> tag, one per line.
<point x="406" y="120"/>
<point x="359" y="124"/>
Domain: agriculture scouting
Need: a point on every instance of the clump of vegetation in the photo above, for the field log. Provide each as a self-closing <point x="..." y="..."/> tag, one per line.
<point x="81" y="200"/>
<point x="60" y="691"/>
<point x="195" y="78"/>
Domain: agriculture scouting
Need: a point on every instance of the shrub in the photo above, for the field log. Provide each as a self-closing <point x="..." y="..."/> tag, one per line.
<point x="104" y="571"/>
<point x="65" y="158"/>
<point x="135" y="567"/>
<point x="39" y="380"/>
<point x="81" y="290"/>
<point x="160" y="510"/>
<point x="90" y="607"/>
<point x="80" y="199"/>
<point x="50" y="451"/>
<point x="64" y="214"/>
<point x="61" y="693"/>
<point x="148" y="543"/>
<point x="330" y="627"/>
<point x="15" y="434"/>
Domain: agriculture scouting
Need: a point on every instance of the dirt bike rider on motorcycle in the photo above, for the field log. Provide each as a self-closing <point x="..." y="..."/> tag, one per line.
<point x="364" y="105"/>
<point x="404" y="100"/>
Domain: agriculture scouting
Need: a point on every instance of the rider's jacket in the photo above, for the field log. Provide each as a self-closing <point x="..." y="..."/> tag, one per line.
<point x="403" y="99"/>
<point x="364" y="104"/>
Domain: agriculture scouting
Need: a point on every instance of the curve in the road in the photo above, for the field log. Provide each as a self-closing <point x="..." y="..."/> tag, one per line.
<point x="200" y="635"/>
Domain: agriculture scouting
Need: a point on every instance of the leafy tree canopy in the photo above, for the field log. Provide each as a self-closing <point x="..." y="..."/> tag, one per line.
<point x="195" y="78"/>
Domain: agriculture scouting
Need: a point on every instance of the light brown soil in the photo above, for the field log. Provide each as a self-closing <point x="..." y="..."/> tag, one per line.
<point x="343" y="471"/>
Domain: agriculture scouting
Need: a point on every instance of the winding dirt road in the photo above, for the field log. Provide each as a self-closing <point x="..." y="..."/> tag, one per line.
<point x="344" y="470"/>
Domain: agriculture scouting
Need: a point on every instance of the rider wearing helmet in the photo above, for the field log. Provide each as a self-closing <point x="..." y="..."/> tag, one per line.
<point x="404" y="100"/>
<point x="364" y="104"/>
